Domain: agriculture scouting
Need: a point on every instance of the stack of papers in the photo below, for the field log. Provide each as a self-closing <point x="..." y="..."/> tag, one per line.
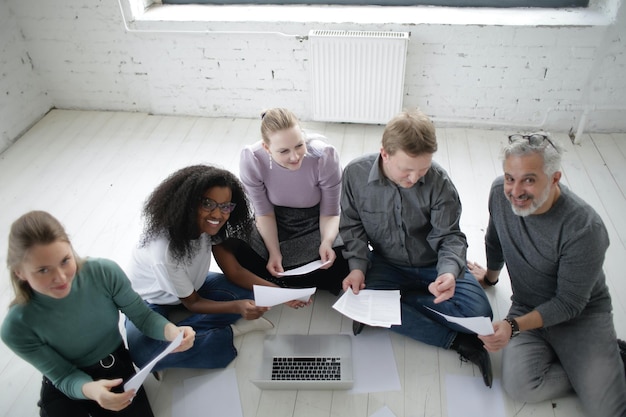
<point x="379" y="308"/>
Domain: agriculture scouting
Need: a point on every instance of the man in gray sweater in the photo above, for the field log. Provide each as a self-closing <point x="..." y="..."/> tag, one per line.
<point x="559" y="334"/>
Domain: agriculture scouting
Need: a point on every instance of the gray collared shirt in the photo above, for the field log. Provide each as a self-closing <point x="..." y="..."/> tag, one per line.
<point x="417" y="226"/>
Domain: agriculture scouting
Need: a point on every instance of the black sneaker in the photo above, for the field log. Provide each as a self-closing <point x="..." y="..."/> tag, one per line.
<point x="622" y="351"/>
<point x="357" y="327"/>
<point x="471" y="349"/>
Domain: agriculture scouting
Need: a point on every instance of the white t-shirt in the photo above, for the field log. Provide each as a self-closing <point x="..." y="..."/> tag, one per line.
<point x="158" y="279"/>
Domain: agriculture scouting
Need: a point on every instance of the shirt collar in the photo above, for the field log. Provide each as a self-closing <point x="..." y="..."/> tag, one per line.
<point x="377" y="174"/>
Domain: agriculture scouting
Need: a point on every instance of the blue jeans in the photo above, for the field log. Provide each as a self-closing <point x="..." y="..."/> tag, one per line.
<point x="418" y="322"/>
<point x="213" y="346"/>
<point x="580" y="355"/>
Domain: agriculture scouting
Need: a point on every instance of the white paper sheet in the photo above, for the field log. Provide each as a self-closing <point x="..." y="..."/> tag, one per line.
<point x="467" y="396"/>
<point x="137" y="379"/>
<point x="375" y="368"/>
<point x="215" y="393"/>
<point x="478" y="325"/>
<point x="379" y="308"/>
<point x="265" y="296"/>
<point x="304" y="269"/>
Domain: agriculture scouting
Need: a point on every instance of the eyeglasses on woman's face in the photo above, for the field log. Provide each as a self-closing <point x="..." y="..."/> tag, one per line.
<point x="209" y="205"/>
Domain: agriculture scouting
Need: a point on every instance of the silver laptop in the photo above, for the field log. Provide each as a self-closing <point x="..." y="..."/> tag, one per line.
<point x="307" y="362"/>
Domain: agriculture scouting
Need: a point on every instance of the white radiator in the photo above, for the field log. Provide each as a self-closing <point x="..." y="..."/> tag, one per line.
<point x="357" y="76"/>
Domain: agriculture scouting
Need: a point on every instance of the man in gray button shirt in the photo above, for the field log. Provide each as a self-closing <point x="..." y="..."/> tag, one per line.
<point x="405" y="207"/>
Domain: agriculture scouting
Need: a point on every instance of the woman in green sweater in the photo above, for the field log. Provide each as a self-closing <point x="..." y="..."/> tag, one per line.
<point x="64" y="321"/>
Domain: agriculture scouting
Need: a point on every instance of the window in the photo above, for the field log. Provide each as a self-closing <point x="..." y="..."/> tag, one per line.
<point x="453" y="3"/>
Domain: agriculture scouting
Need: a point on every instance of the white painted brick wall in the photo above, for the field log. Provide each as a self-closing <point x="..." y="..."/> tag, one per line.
<point x="22" y="99"/>
<point x="608" y="84"/>
<point x="479" y="75"/>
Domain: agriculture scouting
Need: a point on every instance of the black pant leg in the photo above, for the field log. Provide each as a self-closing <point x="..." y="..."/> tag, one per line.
<point x="53" y="403"/>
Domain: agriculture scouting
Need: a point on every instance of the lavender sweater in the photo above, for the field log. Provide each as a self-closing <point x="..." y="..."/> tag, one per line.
<point x="317" y="181"/>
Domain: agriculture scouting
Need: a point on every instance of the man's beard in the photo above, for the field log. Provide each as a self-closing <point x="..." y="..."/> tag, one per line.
<point x="534" y="204"/>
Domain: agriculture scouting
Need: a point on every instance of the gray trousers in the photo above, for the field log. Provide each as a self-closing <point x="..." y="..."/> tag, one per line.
<point x="578" y="356"/>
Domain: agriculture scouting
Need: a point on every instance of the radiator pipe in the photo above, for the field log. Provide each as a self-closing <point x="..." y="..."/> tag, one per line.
<point x="575" y="137"/>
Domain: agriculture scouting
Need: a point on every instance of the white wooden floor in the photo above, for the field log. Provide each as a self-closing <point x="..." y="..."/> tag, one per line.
<point x="93" y="170"/>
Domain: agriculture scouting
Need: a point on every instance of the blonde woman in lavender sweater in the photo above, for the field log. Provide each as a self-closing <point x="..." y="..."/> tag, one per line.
<point x="293" y="179"/>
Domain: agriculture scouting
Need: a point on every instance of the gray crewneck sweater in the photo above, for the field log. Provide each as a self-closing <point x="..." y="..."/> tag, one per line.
<point x="554" y="259"/>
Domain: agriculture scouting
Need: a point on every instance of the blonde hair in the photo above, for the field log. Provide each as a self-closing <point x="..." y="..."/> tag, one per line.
<point x="31" y="229"/>
<point x="276" y="119"/>
<point x="412" y="132"/>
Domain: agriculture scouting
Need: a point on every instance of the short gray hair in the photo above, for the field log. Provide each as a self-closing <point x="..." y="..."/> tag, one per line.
<point x="550" y="149"/>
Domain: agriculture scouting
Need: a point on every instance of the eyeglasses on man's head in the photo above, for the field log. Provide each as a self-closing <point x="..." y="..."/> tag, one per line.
<point x="210" y="205"/>
<point x="536" y="139"/>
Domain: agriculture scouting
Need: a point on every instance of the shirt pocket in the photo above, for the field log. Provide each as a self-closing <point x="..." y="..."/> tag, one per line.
<point x="378" y="226"/>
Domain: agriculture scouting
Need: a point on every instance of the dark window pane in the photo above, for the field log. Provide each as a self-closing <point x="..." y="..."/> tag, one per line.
<point x="455" y="3"/>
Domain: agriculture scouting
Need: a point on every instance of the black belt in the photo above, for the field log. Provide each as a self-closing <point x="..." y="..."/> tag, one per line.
<point x="106" y="362"/>
<point x="116" y="364"/>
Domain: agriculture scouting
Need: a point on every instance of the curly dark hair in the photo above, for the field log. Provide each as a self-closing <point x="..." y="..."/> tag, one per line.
<point x="172" y="209"/>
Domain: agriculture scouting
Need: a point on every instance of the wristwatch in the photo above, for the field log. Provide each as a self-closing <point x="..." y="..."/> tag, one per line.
<point x="514" y="326"/>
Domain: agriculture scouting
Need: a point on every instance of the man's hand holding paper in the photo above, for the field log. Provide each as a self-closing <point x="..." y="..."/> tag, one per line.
<point x="379" y="308"/>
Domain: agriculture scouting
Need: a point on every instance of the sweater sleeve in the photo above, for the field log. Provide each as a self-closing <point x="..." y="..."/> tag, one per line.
<point x="251" y="173"/>
<point x="330" y="182"/>
<point x="579" y="272"/>
<point x="21" y="339"/>
<point x="130" y="303"/>
<point x="493" y="249"/>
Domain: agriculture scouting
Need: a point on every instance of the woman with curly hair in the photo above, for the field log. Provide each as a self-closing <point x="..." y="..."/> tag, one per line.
<point x="187" y="217"/>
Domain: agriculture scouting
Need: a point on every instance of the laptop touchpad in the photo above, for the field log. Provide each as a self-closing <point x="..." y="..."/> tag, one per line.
<point x="307" y="346"/>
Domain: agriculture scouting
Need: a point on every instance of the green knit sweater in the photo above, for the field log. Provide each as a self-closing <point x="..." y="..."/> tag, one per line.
<point x="58" y="336"/>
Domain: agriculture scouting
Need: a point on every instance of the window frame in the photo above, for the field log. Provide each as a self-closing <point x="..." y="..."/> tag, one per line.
<point x="390" y="3"/>
<point x="153" y="16"/>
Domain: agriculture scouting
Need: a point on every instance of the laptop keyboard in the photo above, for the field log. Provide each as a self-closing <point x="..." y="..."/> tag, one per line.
<point x="302" y="368"/>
